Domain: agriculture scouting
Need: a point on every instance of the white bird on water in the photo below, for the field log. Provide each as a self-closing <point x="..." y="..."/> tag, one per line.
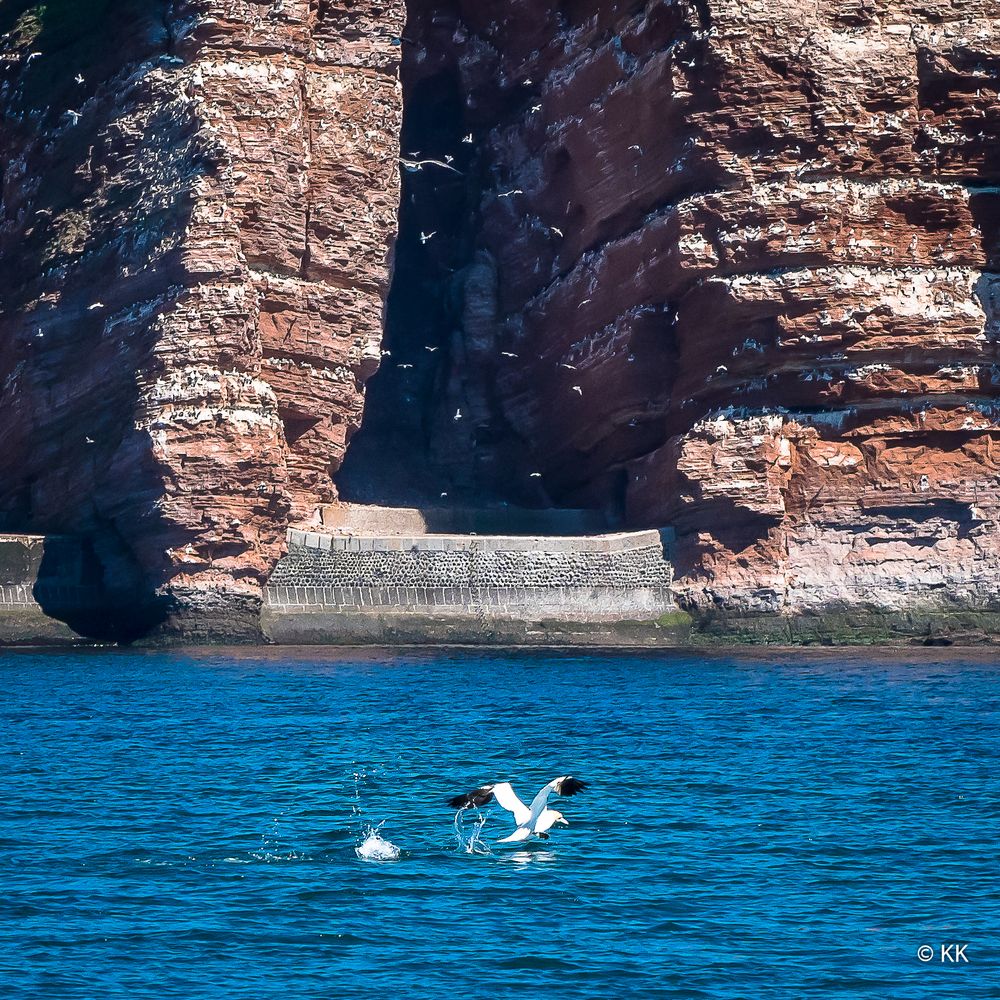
<point x="532" y="821"/>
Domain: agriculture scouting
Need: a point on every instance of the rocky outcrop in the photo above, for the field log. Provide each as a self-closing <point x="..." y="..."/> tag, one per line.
<point x="745" y="261"/>
<point x="725" y="265"/>
<point x="199" y="203"/>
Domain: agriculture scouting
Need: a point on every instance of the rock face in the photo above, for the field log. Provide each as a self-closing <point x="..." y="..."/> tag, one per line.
<point x="733" y="267"/>
<point x="199" y="203"/>
<point x="728" y="265"/>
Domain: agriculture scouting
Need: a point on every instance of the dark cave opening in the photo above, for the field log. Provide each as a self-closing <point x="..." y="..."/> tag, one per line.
<point x="391" y="460"/>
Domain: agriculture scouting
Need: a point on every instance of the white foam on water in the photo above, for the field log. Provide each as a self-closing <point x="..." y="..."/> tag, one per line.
<point x="375" y="848"/>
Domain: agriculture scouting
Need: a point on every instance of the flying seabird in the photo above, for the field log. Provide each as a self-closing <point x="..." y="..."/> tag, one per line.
<point x="468" y="139"/>
<point x="535" y="475"/>
<point x="79" y="78"/>
<point x="562" y="364"/>
<point x="578" y="389"/>
<point x="74" y="116"/>
<point x="508" y="354"/>
<point x="426" y="237"/>
<point x="510" y="194"/>
<point x="431" y="349"/>
<point x="31" y="57"/>
<point x="404" y="366"/>
<point x="533" y="820"/>
<point x="420" y="164"/>
<point x="458" y="414"/>
<point x="558" y="232"/>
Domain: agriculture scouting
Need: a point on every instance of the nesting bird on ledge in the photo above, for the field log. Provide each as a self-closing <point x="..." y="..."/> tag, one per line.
<point x="533" y="820"/>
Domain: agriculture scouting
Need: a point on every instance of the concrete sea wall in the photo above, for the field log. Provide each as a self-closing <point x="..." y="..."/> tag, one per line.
<point x="461" y="588"/>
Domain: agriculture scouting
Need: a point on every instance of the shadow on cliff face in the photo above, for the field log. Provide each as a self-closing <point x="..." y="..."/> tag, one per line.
<point x="389" y="460"/>
<point x="71" y="586"/>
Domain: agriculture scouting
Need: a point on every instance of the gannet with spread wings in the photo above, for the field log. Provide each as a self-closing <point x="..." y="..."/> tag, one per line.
<point x="532" y="821"/>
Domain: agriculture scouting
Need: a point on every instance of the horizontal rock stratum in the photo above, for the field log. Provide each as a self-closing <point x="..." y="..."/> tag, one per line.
<point x="726" y="266"/>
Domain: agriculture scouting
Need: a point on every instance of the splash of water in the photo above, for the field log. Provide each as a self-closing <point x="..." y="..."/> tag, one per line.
<point x="272" y="848"/>
<point x="471" y="843"/>
<point x="375" y="848"/>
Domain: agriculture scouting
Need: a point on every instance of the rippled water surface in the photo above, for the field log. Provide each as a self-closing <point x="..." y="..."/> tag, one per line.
<point x="273" y="824"/>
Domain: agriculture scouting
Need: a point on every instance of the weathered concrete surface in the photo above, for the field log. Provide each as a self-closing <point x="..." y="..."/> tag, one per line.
<point x="399" y="628"/>
<point x="194" y="250"/>
<point x="501" y="588"/>
<point x="385" y="522"/>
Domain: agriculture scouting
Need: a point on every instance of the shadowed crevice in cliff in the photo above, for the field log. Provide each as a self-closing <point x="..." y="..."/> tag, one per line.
<point x="75" y="587"/>
<point x="391" y="459"/>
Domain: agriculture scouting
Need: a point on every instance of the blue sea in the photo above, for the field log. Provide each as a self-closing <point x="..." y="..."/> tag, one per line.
<point x="273" y="824"/>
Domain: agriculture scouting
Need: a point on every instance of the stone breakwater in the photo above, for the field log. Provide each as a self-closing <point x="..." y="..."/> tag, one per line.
<point x="436" y="587"/>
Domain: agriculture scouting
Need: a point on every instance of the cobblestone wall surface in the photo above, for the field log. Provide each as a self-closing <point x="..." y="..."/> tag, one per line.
<point x="596" y="578"/>
<point x="477" y="563"/>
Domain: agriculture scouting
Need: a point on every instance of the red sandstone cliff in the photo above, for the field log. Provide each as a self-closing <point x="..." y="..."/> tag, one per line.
<point x="765" y="237"/>
<point x="199" y="203"/>
<point x="726" y="265"/>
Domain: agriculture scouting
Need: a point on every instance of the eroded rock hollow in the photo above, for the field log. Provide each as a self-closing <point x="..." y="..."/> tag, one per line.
<point x="726" y="266"/>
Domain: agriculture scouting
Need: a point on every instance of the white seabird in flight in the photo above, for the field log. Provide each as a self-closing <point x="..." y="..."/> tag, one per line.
<point x="420" y="164"/>
<point x="533" y="820"/>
